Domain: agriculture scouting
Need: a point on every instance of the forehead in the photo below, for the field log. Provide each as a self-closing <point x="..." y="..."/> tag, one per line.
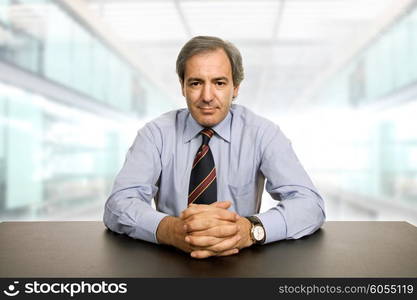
<point x="211" y="63"/>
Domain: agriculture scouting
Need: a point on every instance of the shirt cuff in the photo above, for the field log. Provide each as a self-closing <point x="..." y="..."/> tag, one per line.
<point x="148" y="225"/>
<point x="274" y="225"/>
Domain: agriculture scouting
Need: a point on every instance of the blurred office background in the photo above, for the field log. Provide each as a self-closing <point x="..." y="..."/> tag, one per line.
<point x="78" y="78"/>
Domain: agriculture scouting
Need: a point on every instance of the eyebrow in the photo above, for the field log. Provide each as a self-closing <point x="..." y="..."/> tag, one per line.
<point x="194" y="79"/>
<point x="221" y="78"/>
<point x="214" y="79"/>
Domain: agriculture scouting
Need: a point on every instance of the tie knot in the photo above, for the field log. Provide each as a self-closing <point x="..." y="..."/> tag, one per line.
<point x="207" y="133"/>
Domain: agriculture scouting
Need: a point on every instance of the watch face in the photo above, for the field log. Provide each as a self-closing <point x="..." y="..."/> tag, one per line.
<point x="258" y="233"/>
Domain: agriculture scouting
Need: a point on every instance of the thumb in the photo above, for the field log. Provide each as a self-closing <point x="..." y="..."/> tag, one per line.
<point x="222" y="204"/>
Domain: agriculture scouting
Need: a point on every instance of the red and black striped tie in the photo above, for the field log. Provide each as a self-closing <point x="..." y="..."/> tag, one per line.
<point x="203" y="186"/>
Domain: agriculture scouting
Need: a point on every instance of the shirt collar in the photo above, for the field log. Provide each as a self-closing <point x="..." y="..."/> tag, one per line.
<point x="192" y="128"/>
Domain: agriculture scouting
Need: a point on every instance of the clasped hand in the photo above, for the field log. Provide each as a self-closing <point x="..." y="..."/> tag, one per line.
<point x="212" y="230"/>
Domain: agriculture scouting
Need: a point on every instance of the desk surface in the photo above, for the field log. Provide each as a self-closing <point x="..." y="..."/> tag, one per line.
<point x="88" y="249"/>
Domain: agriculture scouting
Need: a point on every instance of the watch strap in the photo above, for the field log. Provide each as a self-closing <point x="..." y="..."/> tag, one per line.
<point x="255" y="221"/>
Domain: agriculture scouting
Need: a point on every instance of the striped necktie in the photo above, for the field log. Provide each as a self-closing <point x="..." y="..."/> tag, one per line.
<point x="203" y="186"/>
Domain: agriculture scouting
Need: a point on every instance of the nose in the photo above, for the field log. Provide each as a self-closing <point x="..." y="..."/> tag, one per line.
<point x="207" y="93"/>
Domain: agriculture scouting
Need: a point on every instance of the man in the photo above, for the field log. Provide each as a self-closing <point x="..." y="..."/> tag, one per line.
<point x="205" y="167"/>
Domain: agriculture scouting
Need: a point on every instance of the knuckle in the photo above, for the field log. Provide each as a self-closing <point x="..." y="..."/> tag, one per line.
<point x="201" y="242"/>
<point x="195" y="233"/>
<point x="223" y="231"/>
<point x="223" y="213"/>
<point x="207" y="222"/>
<point x="198" y="241"/>
<point x="216" y="248"/>
<point x="192" y="240"/>
<point x="233" y="241"/>
<point x="213" y="240"/>
<point x="229" y="216"/>
<point x="208" y="242"/>
<point x="190" y="225"/>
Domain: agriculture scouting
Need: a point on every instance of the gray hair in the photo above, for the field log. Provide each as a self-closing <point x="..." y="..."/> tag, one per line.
<point x="201" y="44"/>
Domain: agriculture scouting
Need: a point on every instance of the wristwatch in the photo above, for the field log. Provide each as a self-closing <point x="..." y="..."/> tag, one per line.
<point x="257" y="231"/>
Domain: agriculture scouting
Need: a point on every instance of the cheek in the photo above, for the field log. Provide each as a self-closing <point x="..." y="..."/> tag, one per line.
<point x="226" y="95"/>
<point x="226" y="99"/>
<point x="192" y="95"/>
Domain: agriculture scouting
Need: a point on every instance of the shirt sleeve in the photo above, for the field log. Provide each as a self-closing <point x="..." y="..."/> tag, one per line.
<point x="300" y="210"/>
<point x="128" y="210"/>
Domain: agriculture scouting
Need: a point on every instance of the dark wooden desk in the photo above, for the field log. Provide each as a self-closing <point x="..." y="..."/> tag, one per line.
<point x="88" y="249"/>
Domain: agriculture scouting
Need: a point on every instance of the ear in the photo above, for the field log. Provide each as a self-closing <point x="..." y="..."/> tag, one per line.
<point x="235" y="91"/>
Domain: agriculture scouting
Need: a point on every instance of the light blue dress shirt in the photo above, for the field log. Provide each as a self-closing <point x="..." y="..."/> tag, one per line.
<point x="246" y="149"/>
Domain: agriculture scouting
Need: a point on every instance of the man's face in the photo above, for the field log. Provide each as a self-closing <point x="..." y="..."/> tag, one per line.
<point x="208" y="87"/>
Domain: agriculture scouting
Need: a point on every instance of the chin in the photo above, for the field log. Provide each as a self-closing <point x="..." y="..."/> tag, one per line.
<point x="207" y="122"/>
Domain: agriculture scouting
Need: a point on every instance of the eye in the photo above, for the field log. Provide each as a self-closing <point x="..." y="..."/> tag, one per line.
<point x="194" y="83"/>
<point x="220" y="83"/>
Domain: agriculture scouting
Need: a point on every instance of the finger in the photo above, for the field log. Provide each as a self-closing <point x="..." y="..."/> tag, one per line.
<point x="226" y="244"/>
<point x="202" y="241"/>
<point x="228" y="252"/>
<point x="218" y="231"/>
<point x="200" y="254"/>
<point x="197" y="209"/>
<point x="193" y="209"/>
<point x="219" y="214"/>
<point x="222" y="204"/>
<point x="215" y="212"/>
<point x="204" y="224"/>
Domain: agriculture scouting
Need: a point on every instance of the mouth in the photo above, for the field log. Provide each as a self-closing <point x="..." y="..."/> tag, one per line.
<point x="207" y="110"/>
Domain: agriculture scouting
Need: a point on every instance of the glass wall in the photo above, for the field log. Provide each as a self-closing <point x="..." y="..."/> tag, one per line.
<point x="58" y="161"/>
<point x="43" y="37"/>
<point x="365" y="150"/>
<point x="386" y="66"/>
<point x="54" y="157"/>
